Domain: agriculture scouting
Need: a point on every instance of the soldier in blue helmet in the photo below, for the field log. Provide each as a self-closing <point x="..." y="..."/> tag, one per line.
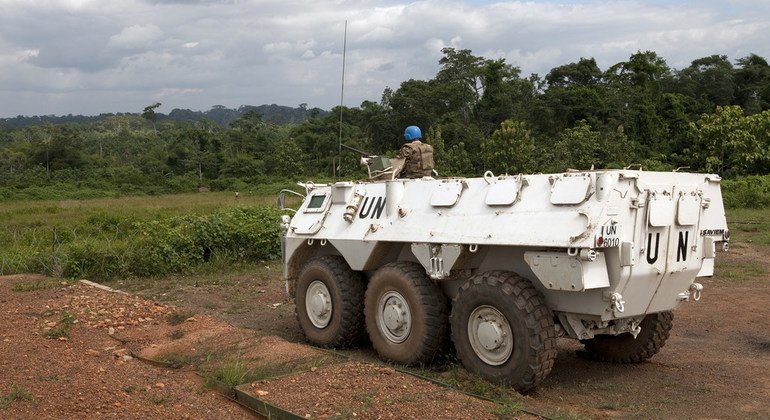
<point x="418" y="156"/>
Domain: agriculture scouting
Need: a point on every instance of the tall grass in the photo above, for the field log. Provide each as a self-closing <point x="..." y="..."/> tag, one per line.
<point x="136" y="236"/>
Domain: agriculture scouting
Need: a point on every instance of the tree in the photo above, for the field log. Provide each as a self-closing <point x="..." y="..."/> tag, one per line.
<point x="577" y="147"/>
<point x="150" y="115"/>
<point x="729" y="143"/>
<point x="752" y="84"/>
<point x="634" y="87"/>
<point x="710" y="80"/>
<point x="583" y="73"/>
<point x="504" y="94"/>
<point x="510" y="149"/>
<point x="282" y="160"/>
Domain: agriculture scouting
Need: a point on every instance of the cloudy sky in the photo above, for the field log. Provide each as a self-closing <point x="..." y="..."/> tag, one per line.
<point x="93" y="56"/>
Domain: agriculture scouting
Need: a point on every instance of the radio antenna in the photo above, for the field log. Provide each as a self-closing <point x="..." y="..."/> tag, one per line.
<point x="342" y="97"/>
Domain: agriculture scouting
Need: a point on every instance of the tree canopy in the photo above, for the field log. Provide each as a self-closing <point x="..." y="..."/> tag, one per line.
<point x="480" y="114"/>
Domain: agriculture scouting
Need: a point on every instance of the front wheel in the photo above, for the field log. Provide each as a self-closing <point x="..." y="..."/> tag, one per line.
<point x="503" y="330"/>
<point x="329" y="302"/>
<point x="624" y="348"/>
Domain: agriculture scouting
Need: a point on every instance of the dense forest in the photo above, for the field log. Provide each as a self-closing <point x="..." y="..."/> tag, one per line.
<point x="479" y="114"/>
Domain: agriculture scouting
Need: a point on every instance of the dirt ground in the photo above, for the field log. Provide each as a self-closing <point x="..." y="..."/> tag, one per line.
<point x="716" y="364"/>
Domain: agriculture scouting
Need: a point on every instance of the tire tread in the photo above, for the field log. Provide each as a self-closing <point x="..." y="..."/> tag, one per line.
<point x="542" y="337"/>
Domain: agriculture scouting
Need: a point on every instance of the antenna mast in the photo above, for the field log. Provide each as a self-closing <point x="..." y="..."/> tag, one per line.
<point x="342" y="97"/>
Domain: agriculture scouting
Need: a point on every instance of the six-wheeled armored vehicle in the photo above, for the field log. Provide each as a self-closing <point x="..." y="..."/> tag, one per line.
<point x="502" y="265"/>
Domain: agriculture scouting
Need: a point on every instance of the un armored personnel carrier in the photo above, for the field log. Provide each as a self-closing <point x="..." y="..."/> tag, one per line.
<point x="502" y="265"/>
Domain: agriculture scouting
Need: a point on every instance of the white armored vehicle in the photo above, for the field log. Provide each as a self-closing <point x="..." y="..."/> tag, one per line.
<point x="503" y="265"/>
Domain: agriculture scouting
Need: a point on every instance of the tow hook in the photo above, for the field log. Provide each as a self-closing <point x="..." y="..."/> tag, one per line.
<point x="695" y="290"/>
<point x="616" y="302"/>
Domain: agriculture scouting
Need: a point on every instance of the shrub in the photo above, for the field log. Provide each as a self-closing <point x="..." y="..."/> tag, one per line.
<point x="747" y="192"/>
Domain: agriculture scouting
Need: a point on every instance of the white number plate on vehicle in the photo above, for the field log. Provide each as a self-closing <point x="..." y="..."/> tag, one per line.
<point x="608" y="238"/>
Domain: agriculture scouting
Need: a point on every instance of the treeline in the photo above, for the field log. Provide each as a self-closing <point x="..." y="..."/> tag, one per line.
<point x="219" y="114"/>
<point x="479" y="114"/>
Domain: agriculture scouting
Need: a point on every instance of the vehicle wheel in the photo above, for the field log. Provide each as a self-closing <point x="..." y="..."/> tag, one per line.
<point x="503" y="331"/>
<point x="624" y="348"/>
<point x="330" y="302"/>
<point x="407" y="315"/>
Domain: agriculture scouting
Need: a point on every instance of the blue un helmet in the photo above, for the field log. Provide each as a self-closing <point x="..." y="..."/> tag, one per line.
<point x="412" y="133"/>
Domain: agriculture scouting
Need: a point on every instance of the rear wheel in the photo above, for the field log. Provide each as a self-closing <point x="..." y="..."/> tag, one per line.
<point x="624" y="348"/>
<point x="329" y="302"/>
<point x="406" y="314"/>
<point x="503" y="330"/>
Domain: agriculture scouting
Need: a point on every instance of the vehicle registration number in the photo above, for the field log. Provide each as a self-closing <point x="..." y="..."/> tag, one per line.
<point x="608" y="238"/>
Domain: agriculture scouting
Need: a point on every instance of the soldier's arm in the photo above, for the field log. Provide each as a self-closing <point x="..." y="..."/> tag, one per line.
<point x="405" y="153"/>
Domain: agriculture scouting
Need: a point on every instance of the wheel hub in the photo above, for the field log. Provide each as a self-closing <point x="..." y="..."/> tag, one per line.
<point x="318" y="304"/>
<point x="394" y="318"/>
<point x="490" y="335"/>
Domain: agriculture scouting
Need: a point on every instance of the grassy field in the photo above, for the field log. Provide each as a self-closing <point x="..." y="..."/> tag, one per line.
<point x="107" y="238"/>
<point x="749" y="225"/>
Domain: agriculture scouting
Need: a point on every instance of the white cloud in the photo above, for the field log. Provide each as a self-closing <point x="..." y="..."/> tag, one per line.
<point x="136" y="37"/>
<point x="89" y="56"/>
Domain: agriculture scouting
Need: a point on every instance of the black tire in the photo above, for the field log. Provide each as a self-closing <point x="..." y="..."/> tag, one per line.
<point x="407" y="315"/>
<point x="624" y="348"/>
<point x="490" y="308"/>
<point x="341" y="325"/>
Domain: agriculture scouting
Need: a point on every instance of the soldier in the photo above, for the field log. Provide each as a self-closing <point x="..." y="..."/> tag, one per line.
<point x="418" y="156"/>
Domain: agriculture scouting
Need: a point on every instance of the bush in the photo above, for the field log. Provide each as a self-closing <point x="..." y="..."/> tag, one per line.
<point x="171" y="245"/>
<point x="96" y="259"/>
<point x="747" y="192"/>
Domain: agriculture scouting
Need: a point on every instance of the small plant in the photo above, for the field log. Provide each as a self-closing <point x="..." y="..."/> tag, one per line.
<point x="38" y="285"/>
<point x="176" y="318"/>
<point x="367" y="399"/>
<point x="231" y="374"/>
<point x="175" y="360"/>
<point x="507" y="407"/>
<point x="176" y="334"/>
<point x="63" y="328"/>
<point x="568" y="415"/>
<point x="16" y="393"/>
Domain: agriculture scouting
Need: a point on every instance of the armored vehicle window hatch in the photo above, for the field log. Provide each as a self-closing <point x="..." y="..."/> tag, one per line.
<point x="570" y="189"/>
<point x="503" y="192"/>
<point x="688" y="209"/>
<point x="661" y="210"/>
<point x="317" y="203"/>
<point x="446" y="193"/>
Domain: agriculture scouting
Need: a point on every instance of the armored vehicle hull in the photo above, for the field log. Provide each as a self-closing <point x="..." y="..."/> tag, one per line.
<point x="503" y="265"/>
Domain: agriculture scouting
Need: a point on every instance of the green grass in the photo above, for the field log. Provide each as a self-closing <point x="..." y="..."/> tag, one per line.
<point x="16" y="393"/>
<point x="560" y="414"/>
<point x="232" y="370"/>
<point x="231" y="374"/>
<point x="63" y="328"/>
<point x="749" y="226"/>
<point x="739" y="273"/>
<point x="38" y="285"/>
<point x="111" y="238"/>
<point x="175" y="360"/>
<point x="507" y="401"/>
